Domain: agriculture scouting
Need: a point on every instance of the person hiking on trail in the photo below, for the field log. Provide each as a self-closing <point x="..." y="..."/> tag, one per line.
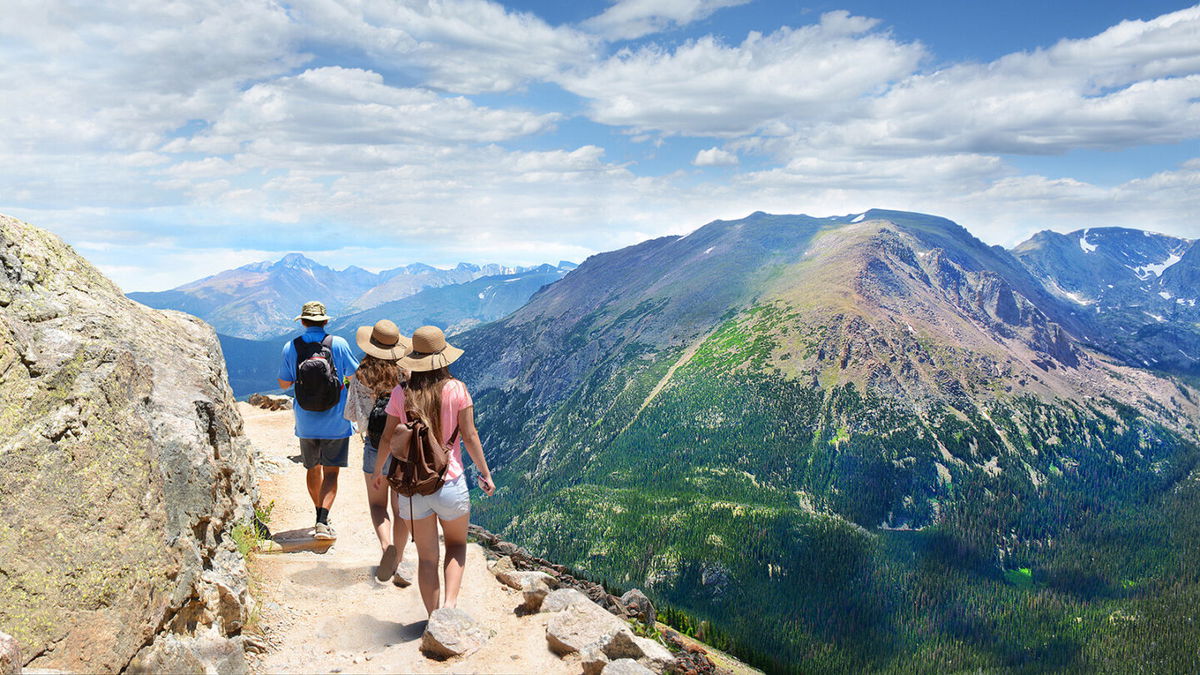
<point x="319" y="364"/>
<point x="366" y="406"/>
<point x="443" y="405"/>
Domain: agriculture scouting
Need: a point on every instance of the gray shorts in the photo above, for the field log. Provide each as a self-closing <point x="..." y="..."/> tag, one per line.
<point x="449" y="503"/>
<point x="370" y="454"/>
<point x="325" y="451"/>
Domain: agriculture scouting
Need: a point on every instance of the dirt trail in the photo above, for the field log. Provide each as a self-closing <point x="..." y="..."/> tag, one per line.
<point x="325" y="612"/>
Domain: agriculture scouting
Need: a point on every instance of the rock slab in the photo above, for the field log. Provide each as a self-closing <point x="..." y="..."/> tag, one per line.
<point x="122" y="464"/>
<point x="637" y="604"/>
<point x="578" y="626"/>
<point x="452" y="632"/>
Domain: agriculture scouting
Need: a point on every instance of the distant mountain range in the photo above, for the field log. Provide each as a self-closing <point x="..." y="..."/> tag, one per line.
<point x="261" y="300"/>
<point x="254" y="306"/>
<point x="1138" y="291"/>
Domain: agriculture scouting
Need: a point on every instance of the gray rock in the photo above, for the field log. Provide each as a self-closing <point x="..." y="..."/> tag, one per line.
<point x="562" y="598"/>
<point x="637" y="604"/>
<point x="452" y="632"/>
<point x="579" y="626"/>
<point x="207" y="653"/>
<point x="10" y="655"/>
<point x="502" y="567"/>
<point x="626" y="667"/>
<point x="535" y="591"/>
<point x="593" y="660"/>
<point x="270" y="401"/>
<point x="124" y="465"/>
<point x="645" y="651"/>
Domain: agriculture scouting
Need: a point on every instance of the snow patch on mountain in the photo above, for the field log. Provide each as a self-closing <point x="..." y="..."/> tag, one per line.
<point x="1083" y="243"/>
<point x="1157" y="270"/>
<point x="1069" y="295"/>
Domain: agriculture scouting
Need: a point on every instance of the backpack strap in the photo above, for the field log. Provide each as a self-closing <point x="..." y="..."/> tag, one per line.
<point x="296" y="344"/>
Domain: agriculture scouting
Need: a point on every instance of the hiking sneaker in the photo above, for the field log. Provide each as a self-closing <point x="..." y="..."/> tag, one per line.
<point x="324" y="531"/>
<point x="406" y="572"/>
<point x="387" y="563"/>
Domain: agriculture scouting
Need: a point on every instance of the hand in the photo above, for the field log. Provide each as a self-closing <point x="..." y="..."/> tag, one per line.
<point x="377" y="481"/>
<point x="486" y="484"/>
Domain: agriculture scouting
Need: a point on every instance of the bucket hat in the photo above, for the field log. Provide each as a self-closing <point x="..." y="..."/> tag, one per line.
<point x="383" y="341"/>
<point x="430" y="350"/>
<point x="313" y="311"/>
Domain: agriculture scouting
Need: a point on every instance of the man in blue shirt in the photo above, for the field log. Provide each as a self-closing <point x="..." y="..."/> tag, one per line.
<point x="325" y="435"/>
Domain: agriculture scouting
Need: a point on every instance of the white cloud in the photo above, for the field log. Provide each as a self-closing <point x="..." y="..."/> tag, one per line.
<point x="707" y="88"/>
<point x="464" y="46"/>
<point x="629" y="19"/>
<point x="715" y="157"/>
<point x="337" y="106"/>
<point x="1133" y="84"/>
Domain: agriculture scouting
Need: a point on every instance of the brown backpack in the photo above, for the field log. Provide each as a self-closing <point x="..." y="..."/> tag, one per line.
<point x="419" y="468"/>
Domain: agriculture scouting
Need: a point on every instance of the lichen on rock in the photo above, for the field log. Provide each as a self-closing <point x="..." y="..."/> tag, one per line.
<point x="123" y="467"/>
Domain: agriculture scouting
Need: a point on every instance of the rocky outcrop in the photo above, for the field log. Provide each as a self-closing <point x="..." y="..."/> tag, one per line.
<point x="270" y="401"/>
<point x="123" y="469"/>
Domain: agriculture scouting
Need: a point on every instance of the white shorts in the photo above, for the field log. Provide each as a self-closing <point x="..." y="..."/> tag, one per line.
<point x="451" y="502"/>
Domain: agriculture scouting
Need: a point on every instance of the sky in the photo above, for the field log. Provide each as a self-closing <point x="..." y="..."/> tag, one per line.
<point x="169" y="140"/>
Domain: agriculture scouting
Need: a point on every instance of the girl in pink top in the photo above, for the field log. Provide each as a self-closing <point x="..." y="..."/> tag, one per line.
<point x="445" y="406"/>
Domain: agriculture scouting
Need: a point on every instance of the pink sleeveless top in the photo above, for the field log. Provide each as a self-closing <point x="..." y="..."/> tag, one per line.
<point x="455" y="398"/>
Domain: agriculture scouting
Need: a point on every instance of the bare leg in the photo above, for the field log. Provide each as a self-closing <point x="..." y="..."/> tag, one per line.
<point x="313" y="480"/>
<point x="425" y="531"/>
<point x="377" y="501"/>
<point x="329" y="479"/>
<point x="400" y="527"/>
<point x="455" y="534"/>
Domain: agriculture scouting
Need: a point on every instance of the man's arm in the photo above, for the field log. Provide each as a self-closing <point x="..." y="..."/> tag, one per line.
<point x="287" y="366"/>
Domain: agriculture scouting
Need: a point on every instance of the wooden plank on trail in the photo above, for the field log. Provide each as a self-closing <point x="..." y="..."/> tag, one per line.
<point x="294" y="541"/>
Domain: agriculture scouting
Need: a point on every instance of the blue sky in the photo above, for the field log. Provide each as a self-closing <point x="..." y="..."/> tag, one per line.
<point x="168" y="141"/>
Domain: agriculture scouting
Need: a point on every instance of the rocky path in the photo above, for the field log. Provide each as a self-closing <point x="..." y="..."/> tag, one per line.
<point x="325" y="612"/>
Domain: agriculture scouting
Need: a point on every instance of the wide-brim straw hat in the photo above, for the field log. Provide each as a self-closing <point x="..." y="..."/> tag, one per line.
<point x="383" y="341"/>
<point x="430" y="350"/>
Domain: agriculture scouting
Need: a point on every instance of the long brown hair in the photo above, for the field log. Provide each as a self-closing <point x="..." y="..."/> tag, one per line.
<point x="423" y="397"/>
<point x="378" y="375"/>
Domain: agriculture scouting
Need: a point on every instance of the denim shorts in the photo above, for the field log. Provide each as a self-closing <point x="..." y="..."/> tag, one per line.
<point x="449" y="503"/>
<point x="370" y="455"/>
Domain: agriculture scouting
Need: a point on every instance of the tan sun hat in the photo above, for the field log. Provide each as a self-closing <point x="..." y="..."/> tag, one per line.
<point x="430" y="350"/>
<point x="313" y="311"/>
<point x="383" y="341"/>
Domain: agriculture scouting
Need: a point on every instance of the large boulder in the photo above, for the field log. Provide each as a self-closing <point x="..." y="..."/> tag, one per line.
<point x="122" y="464"/>
<point x="452" y="632"/>
<point x="559" y="600"/>
<point x="579" y="626"/>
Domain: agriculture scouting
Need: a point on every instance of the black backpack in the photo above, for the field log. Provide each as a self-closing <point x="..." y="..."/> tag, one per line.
<point x="377" y="420"/>
<point x="318" y="387"/>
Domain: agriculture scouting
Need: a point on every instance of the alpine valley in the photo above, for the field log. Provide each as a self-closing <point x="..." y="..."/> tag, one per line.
<point x="864" y="443"/>
<point x="859" y="443"/>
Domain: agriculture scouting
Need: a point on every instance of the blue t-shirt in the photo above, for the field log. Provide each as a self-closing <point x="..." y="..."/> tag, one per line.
<point x="328" y="423"/>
